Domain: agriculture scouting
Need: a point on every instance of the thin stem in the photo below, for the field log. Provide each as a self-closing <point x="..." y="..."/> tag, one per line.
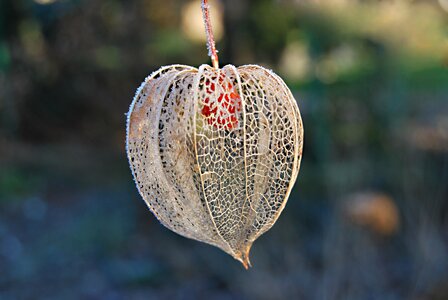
<point x="212" y="52"/>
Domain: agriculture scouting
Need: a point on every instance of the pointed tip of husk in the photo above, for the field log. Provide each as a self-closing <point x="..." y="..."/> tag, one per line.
<point x="246" y="263"/>
<point x="243" y="257"/>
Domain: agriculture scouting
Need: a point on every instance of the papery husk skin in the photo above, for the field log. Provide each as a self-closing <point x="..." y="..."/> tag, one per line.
<point x="224" y="185"/>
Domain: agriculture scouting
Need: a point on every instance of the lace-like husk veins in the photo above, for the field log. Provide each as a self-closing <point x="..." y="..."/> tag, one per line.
<point x="215" y="152"/>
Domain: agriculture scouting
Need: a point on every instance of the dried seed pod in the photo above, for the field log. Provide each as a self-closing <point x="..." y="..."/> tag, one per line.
<point x="215" y="152"/>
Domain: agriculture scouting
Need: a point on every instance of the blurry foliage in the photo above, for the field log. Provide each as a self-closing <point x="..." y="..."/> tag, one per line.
<point x="371" y="81"/>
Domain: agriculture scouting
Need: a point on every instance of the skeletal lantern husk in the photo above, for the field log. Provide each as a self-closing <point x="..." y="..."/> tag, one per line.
<point x="215" y="152"/>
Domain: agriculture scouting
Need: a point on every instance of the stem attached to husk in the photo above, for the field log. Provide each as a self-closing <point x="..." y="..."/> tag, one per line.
<point x="212" y="52"/>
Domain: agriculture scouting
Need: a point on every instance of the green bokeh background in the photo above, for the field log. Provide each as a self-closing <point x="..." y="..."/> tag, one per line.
<point x="370" y="78"/>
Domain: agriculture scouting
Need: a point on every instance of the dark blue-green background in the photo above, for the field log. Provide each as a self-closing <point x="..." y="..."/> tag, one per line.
<point x="371" y="80"/>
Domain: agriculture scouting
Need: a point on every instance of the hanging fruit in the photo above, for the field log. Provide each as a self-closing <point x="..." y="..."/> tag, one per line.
<point x="215" y="152"/>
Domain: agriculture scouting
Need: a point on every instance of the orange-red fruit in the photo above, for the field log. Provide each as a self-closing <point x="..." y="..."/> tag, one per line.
<point x="221" y="113"/>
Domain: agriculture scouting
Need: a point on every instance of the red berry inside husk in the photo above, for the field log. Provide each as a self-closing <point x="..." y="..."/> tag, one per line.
<point x="221" y="111"/>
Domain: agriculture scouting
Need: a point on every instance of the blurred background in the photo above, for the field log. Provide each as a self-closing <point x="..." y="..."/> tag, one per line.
<point x="367" y="219"/>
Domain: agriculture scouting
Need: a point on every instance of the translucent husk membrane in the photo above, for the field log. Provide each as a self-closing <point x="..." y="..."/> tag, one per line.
<point x="215" y="152"/>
